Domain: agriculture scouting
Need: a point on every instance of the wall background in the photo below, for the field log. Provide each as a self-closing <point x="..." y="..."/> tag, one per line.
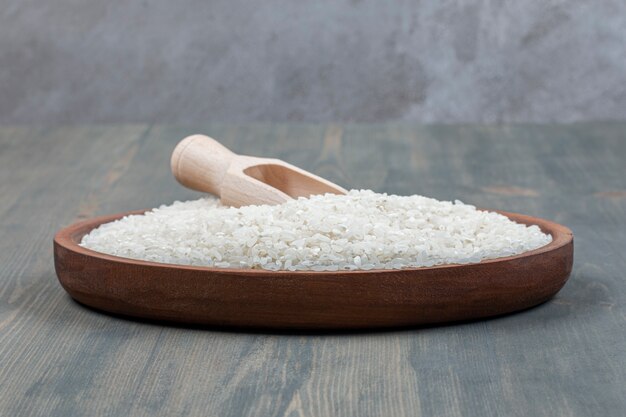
<point x="77" y="61"/>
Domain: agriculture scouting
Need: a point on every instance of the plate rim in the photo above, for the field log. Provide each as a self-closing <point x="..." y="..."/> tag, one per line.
<point x="68" y="238"/>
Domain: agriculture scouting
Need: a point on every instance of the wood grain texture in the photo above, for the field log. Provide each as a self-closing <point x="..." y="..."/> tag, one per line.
<point x="564" y="358"/>
<point x="298" y="300"/>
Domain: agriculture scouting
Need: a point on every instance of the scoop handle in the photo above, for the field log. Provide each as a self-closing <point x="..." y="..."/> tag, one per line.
<point x="200" y="163"/>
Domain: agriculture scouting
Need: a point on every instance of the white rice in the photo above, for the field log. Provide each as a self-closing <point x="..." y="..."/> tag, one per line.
<point x="361" y="230"/>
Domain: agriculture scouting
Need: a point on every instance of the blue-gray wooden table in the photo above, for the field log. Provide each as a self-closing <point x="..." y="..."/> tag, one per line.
<point x="566" y="357"/>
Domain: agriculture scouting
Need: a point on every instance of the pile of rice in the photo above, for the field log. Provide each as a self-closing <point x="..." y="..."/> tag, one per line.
<point x="360" y="230"/>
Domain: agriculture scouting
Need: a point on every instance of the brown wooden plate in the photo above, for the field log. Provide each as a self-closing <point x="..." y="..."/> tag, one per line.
<point x="312" y="300"/>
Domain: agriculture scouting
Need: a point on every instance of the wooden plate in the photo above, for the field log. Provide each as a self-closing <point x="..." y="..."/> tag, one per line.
<point x="312" y="300"/>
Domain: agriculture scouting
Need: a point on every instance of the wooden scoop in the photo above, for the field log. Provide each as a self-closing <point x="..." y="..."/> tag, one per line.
<point x="201" y="163"/>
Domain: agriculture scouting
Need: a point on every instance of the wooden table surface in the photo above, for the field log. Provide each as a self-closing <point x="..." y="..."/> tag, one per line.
<point x="564" y="358"/>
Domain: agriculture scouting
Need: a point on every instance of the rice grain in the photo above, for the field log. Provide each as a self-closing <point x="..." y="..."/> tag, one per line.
<point x="362" y="230"/>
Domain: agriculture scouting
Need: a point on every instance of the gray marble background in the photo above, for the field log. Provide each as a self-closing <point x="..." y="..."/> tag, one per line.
<point x="83" y="61"/>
